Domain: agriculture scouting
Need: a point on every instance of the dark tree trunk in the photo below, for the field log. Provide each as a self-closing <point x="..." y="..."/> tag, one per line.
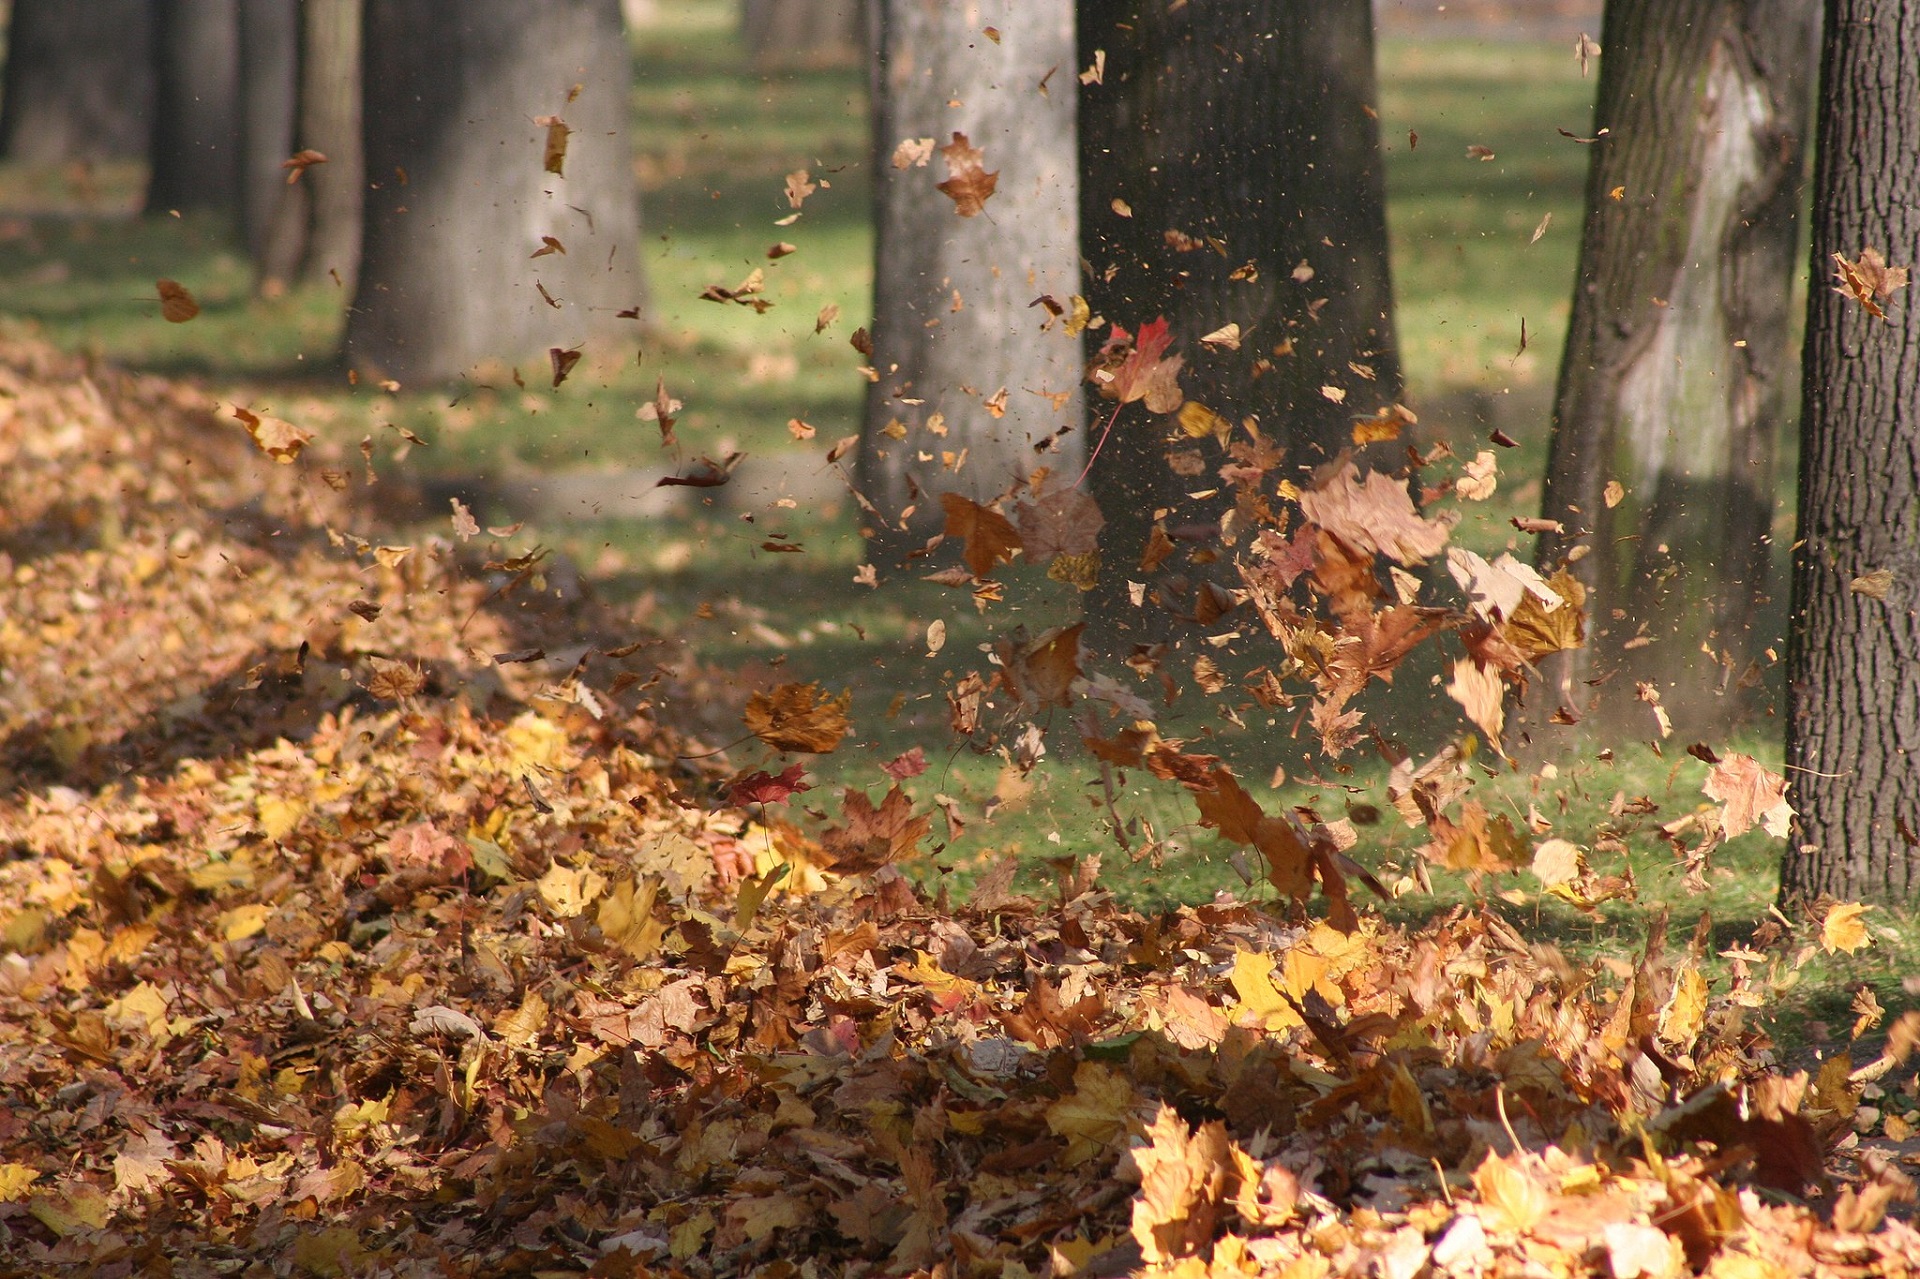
<point x="458" y="198"/>
<point x="1231" y="174"/>
<point x="269" y="92"/>
<point x="196" y="107"/>
<point x="330" y="105"/>
<point x="966" y="363"/>
<point x="782" y="35"/>
<point x="1675" y="373"/>
<point x="1853" y="660"/>
<point x="77" y="90"/>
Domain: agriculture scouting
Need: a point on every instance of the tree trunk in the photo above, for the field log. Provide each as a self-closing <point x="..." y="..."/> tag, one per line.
<point x="1231" y="174"/>
<point x="1675" y="371"/>
<point x="973" y="378"/>
<point x="196" y="109"/>
<point x="458" y="199"/>
<point x="269" y="94"/>
<point x="330" y="124"/>
<point x="1853" y="659"/>
<point x="784" y="35"/>
<point x="77" y="90"/>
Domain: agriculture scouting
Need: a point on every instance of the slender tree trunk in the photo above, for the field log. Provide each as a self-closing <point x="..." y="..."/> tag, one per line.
<point x="973" y="379"/>
<point x="784" y="35"/>
<point x="459" y="200"/>
<point x="330" y="124"/>
<point x="1231" y="174"/>
<point x="196" y="112"/>
<point x="269" y="94"/>
<point x="1853" y="660"/>
<point x="77" y="90"/>
<point x="1673" y="383"/>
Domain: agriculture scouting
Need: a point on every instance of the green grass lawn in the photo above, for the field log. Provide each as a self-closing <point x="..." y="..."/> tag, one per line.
<point x="713" y="145"/>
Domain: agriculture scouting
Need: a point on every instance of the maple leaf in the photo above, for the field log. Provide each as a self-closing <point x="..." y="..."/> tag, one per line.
<point x="968" y="184"/>
<point x="1376" y="514"/>
<point x="910" y="764"/>
<point x="1844" y="928"/>
<point x="799" y="717"/>
<point x="1130" y="368"/>
<point x="1183" y="1177"/>
<point x="1869" y="281"/>
<point x="874" y="837"/>
<point x="989" y="536"/>
<point x="1042" y="673"/>
<point x="762" y="787"/>
<point x="299" y="162"/>
<point x="278" y="439"/>
<point x="176" y="304"/>
<point x="1058" y="521"/>
<point x="1751" y="796"/>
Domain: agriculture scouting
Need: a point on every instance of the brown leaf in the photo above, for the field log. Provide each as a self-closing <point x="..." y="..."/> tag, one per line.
<point x="1058" y="521"/>
<point x="278" y="439"/>
<point x="799" y="717"/>
<point x="990" y="537"/>
<point x="553" y="156"/>
<point x="1869" y="281"/>
<point x="563" y="359"/>
<point x="299" y="162"/>
<point x="968" y="184"/>
<point x="799" y="187"/>
<point x="874" y="837"/>
<point x="176" y="304"/>
<point x="1042" y="673"/>
<point x="1752" y="796"/>
<point x="1376" y="514"/>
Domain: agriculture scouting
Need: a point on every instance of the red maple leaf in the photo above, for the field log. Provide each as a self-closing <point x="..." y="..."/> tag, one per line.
<point x="761" y="787"/>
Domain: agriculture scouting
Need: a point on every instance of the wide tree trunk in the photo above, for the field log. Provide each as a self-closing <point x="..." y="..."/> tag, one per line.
<point x="196" y="107"/>
<point x="269" y="94"/>
<point x="459" y="199"/>
<point x="317" y="226"/>
<point x="784" y="35"/>
<point x="1853" y="657"/>
<point x="77" y="90"/>
<point x="1231" y="174"/>
<point x="972" y="377"/>
<point x="1673" y="383"/>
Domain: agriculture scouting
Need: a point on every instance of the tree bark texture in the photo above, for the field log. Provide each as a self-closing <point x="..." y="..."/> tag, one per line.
<point x="77" y="90"/>
<point x="196" y="106"/>
<point x="973" y="379"/>
<point x="269" y="96"/>
<point x="1853" y="663"/>
<point x="458" y="199"/>
<point x="786" y="35"/>
<point x="1673" y="383"/>
<point x="1231" y="174"/>
<point x="330" y="106"/>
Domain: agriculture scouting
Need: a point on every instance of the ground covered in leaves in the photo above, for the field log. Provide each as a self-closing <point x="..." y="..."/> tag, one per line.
<point x="362" y="916"/>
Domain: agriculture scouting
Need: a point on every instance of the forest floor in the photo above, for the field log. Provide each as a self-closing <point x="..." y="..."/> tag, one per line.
<point x="387" y="891"/>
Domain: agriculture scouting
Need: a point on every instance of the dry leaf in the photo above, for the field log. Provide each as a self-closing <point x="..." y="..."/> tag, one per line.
<point x="176" y="304"/>
<point x="1844" y="928"/>
<point x="799" y="717"/>
<point x="1750" y="795"/>
<point x="968" y="183"/>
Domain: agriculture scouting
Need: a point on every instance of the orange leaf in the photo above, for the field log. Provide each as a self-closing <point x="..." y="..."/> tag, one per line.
<point x="798" y="717"/>
<point x="990" y="536"/>
<point x="176" y="304"/>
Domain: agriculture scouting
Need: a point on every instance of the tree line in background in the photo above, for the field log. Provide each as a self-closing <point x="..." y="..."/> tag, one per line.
<point x="1217" y="167"/>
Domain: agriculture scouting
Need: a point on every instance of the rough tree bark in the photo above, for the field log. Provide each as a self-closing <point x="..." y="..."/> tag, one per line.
<point x="1674" y="379"/>
<point x="196" y="106"/>
<point x="1231" y="173"/>
<point x="458" y="198"/>
<point x="77" y="90"/>
<point x="269" y="92"/>
<point x="966" y="364"/>
<point x="317" y="225"/>
<point x="1853" y="658"/>
<point x="782" y="35"/>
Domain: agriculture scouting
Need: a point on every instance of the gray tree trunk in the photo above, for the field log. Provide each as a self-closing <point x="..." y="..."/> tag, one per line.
<point x="269" y="94"/>
<point x="77" y="90"/>
<point x="330" y="106"/>
<point x="1853" y="660"/>
<point x="783" y="35"/>
<point x="954" y="325"/>
<point x="1245" y="133"/>
<point x="458" y="199"/>
<point x="196" y="106"/>
<point x="1675" y="373"/>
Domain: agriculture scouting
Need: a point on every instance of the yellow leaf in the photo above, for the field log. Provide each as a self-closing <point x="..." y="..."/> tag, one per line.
<point x="568" y="890"/>
<point x="1686" y="1011"/>
<point x="1515" y="1202"/>
<point x="1094" y="1116"/>
<point x="1252" y="980"/>
<point x="14" y="1180"/>
<point x="278" y="816"/>
<point x="523" y="1025"/>
<point x="143" y="1008"/>
<point x="537" y="742"/>
<point x="1844" y="928"/>
<point x="352" y="1119"/>
<point x="1183" y="1176"/>
<point x="626" y="917"/>
<point x="243" y="922"/>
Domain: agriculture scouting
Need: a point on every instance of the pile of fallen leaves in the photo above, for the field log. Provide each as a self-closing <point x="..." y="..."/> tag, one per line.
<point x="341" y="936"/>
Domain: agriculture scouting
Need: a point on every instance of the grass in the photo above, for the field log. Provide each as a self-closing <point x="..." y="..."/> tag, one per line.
<point x="713" y="146"/>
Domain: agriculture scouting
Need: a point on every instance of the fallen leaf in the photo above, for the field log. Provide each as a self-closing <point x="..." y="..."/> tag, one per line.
<point x="553" y="157"/>
<point x="1869" y="281"/>
<point x="278" y="439"/>
<point x="176" y="304"/>
<point x="990" y="537"/>
<point x="968" y="183"/>
<point x="1751" y="796"/>
<point x="799" y="717"/>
